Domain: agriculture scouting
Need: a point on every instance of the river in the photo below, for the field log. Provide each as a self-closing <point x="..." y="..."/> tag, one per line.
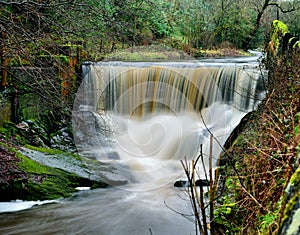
<point x="146" y="148"/>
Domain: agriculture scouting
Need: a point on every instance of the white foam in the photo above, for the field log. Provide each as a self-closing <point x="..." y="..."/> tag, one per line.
<point x="19" y="205"/>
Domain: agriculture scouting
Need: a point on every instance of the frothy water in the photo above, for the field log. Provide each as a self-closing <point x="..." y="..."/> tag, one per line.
<point x="149" y="150"/>
<point x="146" y="117"/>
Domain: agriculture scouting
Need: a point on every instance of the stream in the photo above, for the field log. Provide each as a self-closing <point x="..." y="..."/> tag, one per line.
<point x="146" y="146"/>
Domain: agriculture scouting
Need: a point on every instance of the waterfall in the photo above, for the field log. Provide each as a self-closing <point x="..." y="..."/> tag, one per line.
<point x="143" y="88"/>
<point x="145" y="117"/>
<point x="139" y="120"/>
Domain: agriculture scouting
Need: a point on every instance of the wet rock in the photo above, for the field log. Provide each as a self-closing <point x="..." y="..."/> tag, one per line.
<point x="83" y="167"/>
<point x="202" y="182"/>
<point x="185" y="183"/>
<point x="181" y="183"/>
<point x="63" y="140"/>
<point x="23" y="125"/>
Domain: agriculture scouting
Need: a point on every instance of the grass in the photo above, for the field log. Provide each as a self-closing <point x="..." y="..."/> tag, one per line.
<point x="147" y="53"/>
<point x="172" y="50"/>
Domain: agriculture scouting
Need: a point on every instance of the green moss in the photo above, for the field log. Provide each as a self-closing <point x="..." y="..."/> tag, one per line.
<point x="244" y="138"/>
<point x="290" y="206"/>
<point x="43" y="182"/>
<point x="62" y="58"/>
<point x="295" y="179"/>
<point x="8" y="130"/>
<point x="31" y="166"/>
<point x="60" y="184"/>
<point x="54" y="186"/>
<point x="278" y="30"/>
<point x="296" y="45"/>
<point x="266" y="221"/>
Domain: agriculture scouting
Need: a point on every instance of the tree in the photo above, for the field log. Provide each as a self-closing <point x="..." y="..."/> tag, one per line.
<point x="137" y="21"/>
<point x="261" y="7"/>
<point x="34" y="51"/>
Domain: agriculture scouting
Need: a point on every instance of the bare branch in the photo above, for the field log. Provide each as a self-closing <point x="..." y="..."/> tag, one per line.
<point x="25" y="2"/>
<point x="293" y="8"/>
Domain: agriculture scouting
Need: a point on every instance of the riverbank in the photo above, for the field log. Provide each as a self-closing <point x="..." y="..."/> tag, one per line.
<point x="260" y="191"/>
<point x="162" y="52"/>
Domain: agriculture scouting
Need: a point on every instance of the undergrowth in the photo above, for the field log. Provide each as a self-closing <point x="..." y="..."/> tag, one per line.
<point x="263" y="158"/>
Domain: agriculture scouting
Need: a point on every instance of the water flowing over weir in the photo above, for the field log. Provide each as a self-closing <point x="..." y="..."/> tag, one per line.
<point x="145" y="117"/>
<point x="142" y="88"/>
<point x="141" y="119"/>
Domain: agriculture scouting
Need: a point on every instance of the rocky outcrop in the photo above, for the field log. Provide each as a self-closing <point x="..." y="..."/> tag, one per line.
<point x="38" y="173"/>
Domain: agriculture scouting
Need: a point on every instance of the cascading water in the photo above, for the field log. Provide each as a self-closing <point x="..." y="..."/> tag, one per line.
<point x="143" y="118"/>
<point x="148" y="116"/>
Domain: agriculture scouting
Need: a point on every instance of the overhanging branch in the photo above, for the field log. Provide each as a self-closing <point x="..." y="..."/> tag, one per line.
<point x="293" y="8"/>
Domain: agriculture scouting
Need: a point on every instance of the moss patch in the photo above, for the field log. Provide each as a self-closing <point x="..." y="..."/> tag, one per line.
<point x="292" y="198"/>
<point x="278" y="30"/>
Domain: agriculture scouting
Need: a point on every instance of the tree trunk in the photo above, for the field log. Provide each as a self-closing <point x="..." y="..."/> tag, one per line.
<point x="247" y="43"/>
<point x="4" y="61"/>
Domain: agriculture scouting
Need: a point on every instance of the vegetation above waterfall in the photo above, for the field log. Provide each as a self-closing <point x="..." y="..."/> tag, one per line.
<point x="34" y="31"/>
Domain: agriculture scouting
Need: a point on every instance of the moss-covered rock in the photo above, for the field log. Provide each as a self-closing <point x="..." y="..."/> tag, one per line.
<point x="26" y="179"/>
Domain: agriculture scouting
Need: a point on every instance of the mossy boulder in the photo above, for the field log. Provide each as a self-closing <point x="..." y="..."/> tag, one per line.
<point x="26" y="179"/>
<point x="31" y="172"/>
